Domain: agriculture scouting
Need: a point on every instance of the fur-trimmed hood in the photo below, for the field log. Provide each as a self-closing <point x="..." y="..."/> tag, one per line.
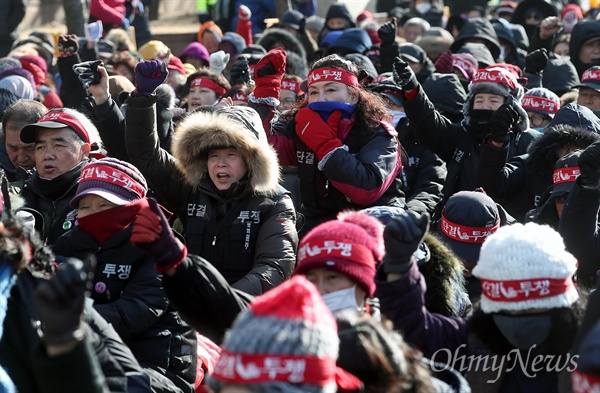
<point x="446" y="293"/>
<point x="238" y="127"/>
<point x="544" y="151"/>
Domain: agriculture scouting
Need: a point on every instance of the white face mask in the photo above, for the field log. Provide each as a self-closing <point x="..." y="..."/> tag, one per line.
<point x="341" y="300"/>
<point x="398" y="115"/>
<point x="423" y="8"/>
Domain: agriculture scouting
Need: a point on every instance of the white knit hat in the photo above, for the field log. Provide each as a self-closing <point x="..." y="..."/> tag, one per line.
<point x="523" y="267"/>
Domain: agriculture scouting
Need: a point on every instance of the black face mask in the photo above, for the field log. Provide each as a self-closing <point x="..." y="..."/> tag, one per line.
<point x="480" y="124"/>
<point x="524" y="331"/>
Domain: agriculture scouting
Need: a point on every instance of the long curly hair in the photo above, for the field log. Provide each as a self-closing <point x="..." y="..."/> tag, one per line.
<point x="371" y="109"/>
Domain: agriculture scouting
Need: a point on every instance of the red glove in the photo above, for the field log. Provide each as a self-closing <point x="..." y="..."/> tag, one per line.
<point x="320" y="137"/>
<point x="244" y="24"/>
<point x="443" y="64"/>
<point x="151" y="232"/>
<point x="268" y="74"/>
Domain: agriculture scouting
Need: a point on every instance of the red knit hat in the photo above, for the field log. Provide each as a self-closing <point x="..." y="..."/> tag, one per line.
<point x="287" y="339"/>
<point x="352" y="245"/>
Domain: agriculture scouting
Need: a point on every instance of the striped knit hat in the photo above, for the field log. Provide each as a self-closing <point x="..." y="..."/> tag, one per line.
<point x="285" y="342"/>
<point x="117" y="181"/>
<point x="524" y="267"/>
<point x="541" y="100"/>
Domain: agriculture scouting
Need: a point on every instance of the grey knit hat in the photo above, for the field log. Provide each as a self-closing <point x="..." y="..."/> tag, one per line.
<point x="285" y="342"/>
<point x="541" y="100"/>
<point x="117" y="181"/>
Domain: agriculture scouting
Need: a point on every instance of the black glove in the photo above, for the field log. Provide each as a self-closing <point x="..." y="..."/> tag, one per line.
<point x="240" y="71"/>
<point x="60" y="301"/>
<point x="402" y="236"/>
<point x="404" y="75"/>
<point x="503" y="120"/>
<point x="151" y="232"/>
<point x="589" y="166"/>
<point x="87" y="72"/>
<point x="67" y="45"/>
<point x="536" y="61"/>
<point x="387" y="33"/>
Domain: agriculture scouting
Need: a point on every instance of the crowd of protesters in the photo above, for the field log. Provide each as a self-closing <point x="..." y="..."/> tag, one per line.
<point x="400" y="202"/>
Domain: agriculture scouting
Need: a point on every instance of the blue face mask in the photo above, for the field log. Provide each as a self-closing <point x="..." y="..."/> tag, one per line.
<point x="539" y="129"/>
<point x="326" y="108"/>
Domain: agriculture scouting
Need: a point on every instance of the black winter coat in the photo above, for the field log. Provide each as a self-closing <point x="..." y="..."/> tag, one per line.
<point x="129" y="294"/>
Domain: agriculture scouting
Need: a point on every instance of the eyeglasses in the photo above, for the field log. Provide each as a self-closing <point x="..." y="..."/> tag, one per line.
<point x="537" y="120"/>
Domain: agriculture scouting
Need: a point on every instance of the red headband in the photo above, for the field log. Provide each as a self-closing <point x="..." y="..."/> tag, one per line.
<point x="590" y="75"/>
<point x="466" y="234"/>
<point x="208" y="83"/>
<point x="584" y="382"/>
<point x="332" y="75"/>
<point x="240" y="96"/>
<point x="110" y="175"/>
<point x="239" y="368"/>
<point x="495" y="75"/>
<point x="326" y="247"/>
<point x="290" y="85"/>
<point x="540" y="104"/>
<point x="565" y="175"/>
<point x="527" y="289"/>
<point x="68" y="120"/>
<point x="464" y="65"/>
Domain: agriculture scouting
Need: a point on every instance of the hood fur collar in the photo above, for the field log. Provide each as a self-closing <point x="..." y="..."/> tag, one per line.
<point x="202" y="131"/>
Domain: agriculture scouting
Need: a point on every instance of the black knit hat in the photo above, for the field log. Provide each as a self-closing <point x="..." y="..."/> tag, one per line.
<point x="468" y="218"/>
<point x="116" y="181"/>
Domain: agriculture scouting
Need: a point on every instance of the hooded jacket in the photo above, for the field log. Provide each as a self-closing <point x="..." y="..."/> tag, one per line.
<point x="519" y="183"/>
<point x="458" y="144"/>
<point x="579" y="228"/>
<point x="482" y="29"/>
<point x="336" y="10"/>
<point x="582" y="32"/>
<point x="277" y="37"/>
<point x="544" y="6"/>
<point x="560" y="75"/>
<point x="247" y="232"/>
<point x="352" y="40"/>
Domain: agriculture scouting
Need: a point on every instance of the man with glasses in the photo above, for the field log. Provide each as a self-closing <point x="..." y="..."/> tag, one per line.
<point x="541" y="105"/>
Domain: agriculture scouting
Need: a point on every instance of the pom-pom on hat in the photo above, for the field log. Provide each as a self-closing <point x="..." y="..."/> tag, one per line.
<point x="541" y="100"/>
<point x="352" y="245"/>
<point x="286" y="341"/>
<point x="116" y="181"/>
<point x="524" y="267"/>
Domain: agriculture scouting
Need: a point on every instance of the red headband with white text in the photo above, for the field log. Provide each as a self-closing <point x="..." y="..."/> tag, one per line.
<point x="526" y="289"/>
<point x="332" y="75"/>
<point x="209" y="84"/>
